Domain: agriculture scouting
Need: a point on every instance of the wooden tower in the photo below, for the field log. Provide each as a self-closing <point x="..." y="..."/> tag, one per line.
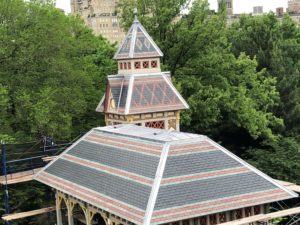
<point x="141" y="93"/>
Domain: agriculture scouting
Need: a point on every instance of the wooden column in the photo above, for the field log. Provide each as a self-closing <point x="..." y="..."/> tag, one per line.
<point x="58" y="200"/>
<point x="89" y="214"/>
<point x="70" y="208"/>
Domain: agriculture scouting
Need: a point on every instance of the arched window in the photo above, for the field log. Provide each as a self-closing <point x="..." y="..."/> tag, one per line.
<point x="125" y="66"/>
<point x="121" y="66"/>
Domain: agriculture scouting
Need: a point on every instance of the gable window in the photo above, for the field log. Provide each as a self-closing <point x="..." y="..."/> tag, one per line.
<point x="137" y="65"/>
<point x="145" y="64"/>
<point x="154" y="64"/>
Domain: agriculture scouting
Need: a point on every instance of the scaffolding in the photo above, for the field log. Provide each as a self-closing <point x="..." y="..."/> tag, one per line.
<point x="20" y="162"/>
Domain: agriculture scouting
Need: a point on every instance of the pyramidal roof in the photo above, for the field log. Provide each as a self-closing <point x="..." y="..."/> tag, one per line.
<point x="138" y="44"/>
<point x="153" y="176"/>
<point x="141" y="93"/>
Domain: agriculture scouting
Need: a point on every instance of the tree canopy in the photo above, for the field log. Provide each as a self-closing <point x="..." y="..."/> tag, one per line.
<point x="52" y="73"/>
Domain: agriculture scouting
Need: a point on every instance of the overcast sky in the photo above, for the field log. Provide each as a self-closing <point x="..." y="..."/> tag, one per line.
<point x="239" y="6"/>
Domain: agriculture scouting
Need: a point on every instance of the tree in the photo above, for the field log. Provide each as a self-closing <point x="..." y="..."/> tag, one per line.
<point x="228" y="97"/>
<point x="279" y="159"/>
<point x="276" y="47"/>
<point x="54" y="71"/>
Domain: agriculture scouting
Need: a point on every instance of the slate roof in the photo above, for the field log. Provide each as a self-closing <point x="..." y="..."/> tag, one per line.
<point x="153" y="176"/>
<point x="135" y="94"/>
<point x="138" y="44"/>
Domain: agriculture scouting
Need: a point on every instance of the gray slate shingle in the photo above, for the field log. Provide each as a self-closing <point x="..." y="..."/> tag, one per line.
<point x="122" y="159"/>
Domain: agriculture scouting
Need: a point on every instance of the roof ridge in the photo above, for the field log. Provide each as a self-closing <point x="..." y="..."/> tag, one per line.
<point x="251" y="168"/>
<point x="156" y="184"/>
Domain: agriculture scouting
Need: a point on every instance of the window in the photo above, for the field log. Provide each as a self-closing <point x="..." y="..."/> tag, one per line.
<point x="154" y="64"/>
<point x="156" y="124"/>
<point x="175" y="223"/>
<point x="145" y="64"/>
<point x="121" y="66"/>
<point x="137" y="65"/>
<point x="125" y="66"/>
<point x="129" y="65"/>
<point x="222" y="217"/>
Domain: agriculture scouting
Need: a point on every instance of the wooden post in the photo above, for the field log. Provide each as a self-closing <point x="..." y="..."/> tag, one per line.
<point x="70" y="207"/>
<point x="58" y="209"/>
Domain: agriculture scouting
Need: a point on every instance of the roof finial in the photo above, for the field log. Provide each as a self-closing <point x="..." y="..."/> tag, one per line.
<point x="135" y="13"/>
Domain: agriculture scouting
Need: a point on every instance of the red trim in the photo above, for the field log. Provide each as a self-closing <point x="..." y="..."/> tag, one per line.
<point x="121" y="140"/>
<point x="223" y="207"/>
<point x="204" y="175"/>
<point x="95" y="198"/>
<point x="136" y="149"/>
<point x="194" y="150"/>
<point x="192" y="207"/>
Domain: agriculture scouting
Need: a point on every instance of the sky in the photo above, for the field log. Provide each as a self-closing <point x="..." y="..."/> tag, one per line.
<point x="239" y="6"/>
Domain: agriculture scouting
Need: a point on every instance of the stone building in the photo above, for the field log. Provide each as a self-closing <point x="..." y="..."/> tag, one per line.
<point x="229" y="6"/>
<point x="127" y="174"/>
<point x="101" y="16"/>
<point x="293" y="6"/>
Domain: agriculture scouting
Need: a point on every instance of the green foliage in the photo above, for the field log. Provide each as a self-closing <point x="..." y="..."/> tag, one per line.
<point x="278" y="159"/>
<point x="276" y="46"/>
<point x="53" y="70"/>
<point x="225" y="92"/>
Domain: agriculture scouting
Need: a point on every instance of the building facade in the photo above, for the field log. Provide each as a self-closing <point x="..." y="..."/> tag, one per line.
<point x="101" y="16"/>
<point x="293" y="6"/>
<point x="229" y="6"/>
<point x="258" y="10"/>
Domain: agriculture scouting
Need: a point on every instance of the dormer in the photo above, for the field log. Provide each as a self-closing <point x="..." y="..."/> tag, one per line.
<point x="138" y="54"/>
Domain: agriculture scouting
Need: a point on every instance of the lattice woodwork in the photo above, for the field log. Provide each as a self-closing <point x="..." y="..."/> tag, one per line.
<point x="146" y="64"/>
<point x="154" y="64"/>
<point x="156" y="124"/>
<point x="172" y="124"/>
<point x="137" y="65"/>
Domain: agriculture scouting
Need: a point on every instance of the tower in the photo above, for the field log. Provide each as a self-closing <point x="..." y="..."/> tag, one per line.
<point x="101" y="16"/>
<point x="141" y="93"/>
<point x="229" y="6"/>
